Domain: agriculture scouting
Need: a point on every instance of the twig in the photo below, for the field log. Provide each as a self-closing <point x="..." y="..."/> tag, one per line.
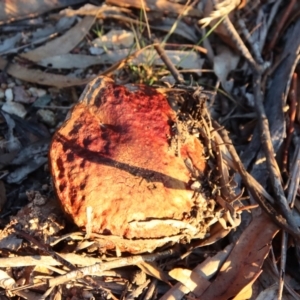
<point x="294" y="178"/>
<point x="177" y="76"/>
<point x="274" y="174"/>
<point x="252" y="43"/>
<point x="292" y="113"/>
<point x="137" y="292"/>
<point x="150" y="291"/>
<point x="45" y="248"/>
<point x="282" y="264"/>
<point x="280" y="25"/>
<point x="100" y="267"/>
<point x="240" y="44"/>
<point x="277" y="218"/>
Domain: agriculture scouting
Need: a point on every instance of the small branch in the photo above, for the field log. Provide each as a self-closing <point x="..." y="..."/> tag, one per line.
<point x="161" y="52"/>
<point x="240" y="45"/>
<point x="275" y="217"/>
<point x="292" y="114"/>
<point x="274" y="174"/>
<point x="98" y="268"/>
<point x="280" y="25"/>
<point x="45" y="248"/>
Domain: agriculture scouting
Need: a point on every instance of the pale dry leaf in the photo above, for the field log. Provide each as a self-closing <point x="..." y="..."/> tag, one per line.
<point x="10" y="242"/>
<point x="208" y="268"/>
<point x="115" y="39"/>
<point x="12" y="143"/>
<point x="105" y="12"/>
<point x="86" y="10"/>
<point x="62" y="44"/>
<point x="224" y="62"/>
<point x="192" y="280"/>
<point x="244" y="261"/>
<point x="6" y="282"/>
<point x="182" y="59"/>
<point x="63" y="24"/>
<point x="40" y="77"/>
<point x="21" y="173"/>
<point x="205" y="270"/>
<point x="70" y="61"/>
<point x="29" y="152"/>
<point x="10" y="43"/>
<point x="19" y="9"/>
<point x="22" y="261"/>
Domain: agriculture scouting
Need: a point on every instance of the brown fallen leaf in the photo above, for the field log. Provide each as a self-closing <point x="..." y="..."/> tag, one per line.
<point x="63" y="44"/>
<point x="245" y="260"/>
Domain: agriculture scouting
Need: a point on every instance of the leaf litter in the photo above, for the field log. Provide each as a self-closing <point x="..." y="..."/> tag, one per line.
<point x="238" y="269"/>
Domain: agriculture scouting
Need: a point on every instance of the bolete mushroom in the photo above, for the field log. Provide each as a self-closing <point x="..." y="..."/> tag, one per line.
<point x="121" y="153"/>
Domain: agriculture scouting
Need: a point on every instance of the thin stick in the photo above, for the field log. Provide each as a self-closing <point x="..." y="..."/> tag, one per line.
<point x="280" y="25"/>
<point x="290" y="129"/>
<point x="45" y="248"/>
<point x="240" y="44"/>
<point x="282" y="264"/>
<point x="274" y="174"/>
<point x="100" y="267"/>
<point x="177" y="76"/>
<point x="277" y="218"/>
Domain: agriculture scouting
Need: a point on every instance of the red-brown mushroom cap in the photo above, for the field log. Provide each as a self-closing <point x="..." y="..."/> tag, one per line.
<point x="114" y="154"/>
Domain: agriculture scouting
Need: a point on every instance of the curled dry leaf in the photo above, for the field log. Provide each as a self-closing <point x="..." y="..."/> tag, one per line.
<point x="124" y="153"/>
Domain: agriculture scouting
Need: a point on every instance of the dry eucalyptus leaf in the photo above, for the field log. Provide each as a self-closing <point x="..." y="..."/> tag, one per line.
<point x="10" y="43"/>
<point x="224" y="62"/>
<point x="19" y="9"/>
<point x="62" y="44"/>
<point x="40" y="77"/>
<point x="21" y="173"/>
<point x="245" y="260"/>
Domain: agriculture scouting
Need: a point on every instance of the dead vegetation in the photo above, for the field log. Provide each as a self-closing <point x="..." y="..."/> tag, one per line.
<point x="230" y="69"/>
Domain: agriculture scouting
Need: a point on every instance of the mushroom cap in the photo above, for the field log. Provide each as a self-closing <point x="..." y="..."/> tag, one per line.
<point x="115" y="153"/>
